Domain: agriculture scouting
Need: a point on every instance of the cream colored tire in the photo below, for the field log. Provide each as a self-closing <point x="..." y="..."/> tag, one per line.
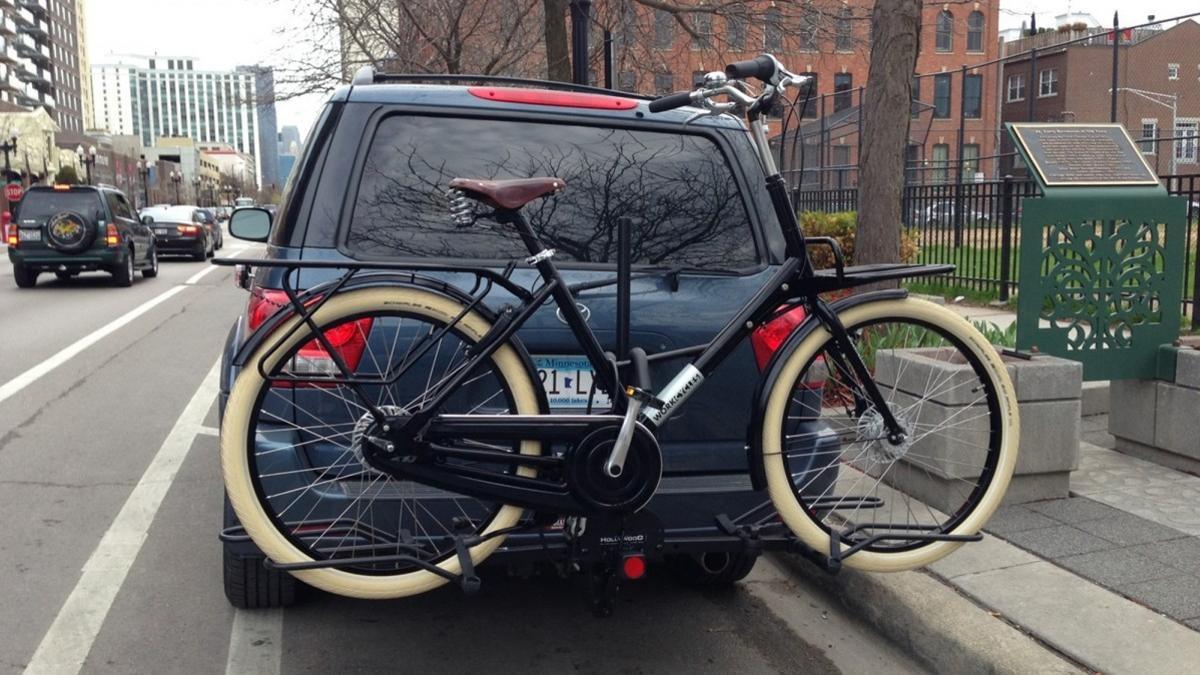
<point x="239" y="412"/>
<point x="780" y="485"/>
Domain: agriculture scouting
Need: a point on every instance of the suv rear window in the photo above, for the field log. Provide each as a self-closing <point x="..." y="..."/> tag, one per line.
<point x="684" y="203"/>
<point x="38" y="205"/>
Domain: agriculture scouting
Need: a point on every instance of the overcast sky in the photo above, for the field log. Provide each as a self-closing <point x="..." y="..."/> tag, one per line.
<point x="220" y="34"/>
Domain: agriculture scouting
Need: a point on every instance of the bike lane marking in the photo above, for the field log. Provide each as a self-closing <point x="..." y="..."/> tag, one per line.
<point x="199" y="275"/>
<point x="8" y="389"/>
<point x="66" y="644"/>
<point x="256" y="643"/>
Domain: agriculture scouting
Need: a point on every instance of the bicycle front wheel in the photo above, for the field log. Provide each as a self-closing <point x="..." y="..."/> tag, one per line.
<point x="291" y="442"/>
<point x="831" y="468"/>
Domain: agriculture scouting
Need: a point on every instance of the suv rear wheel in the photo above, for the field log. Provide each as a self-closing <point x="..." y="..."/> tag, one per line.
<point x="151" y="269"/>
<point x="249" y="584"/>
<point x="123" y="272"/>
<point x="26" y="278"/>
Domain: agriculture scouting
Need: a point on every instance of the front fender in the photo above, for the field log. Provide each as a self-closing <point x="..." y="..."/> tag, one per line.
<point x="758" y="478"/>
<point x="410" y="280"/>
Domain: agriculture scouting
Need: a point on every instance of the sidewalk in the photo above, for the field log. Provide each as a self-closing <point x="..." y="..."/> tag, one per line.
<point x="1108" y="578"/>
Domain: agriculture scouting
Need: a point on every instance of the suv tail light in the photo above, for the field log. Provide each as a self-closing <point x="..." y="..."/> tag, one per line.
<point x="112" y="237"/>
<point x="769" y="337"/>
<point x="348" y="339"/>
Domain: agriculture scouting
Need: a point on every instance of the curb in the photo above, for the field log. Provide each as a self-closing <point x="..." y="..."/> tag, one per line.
<point x="933" y="622"/>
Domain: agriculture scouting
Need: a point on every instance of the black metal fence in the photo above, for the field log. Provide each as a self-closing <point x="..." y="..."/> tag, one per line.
<point x="975" y="226"/>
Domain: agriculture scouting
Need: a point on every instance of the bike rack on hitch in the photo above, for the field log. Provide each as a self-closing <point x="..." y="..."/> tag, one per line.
<point x="833" y="562"/>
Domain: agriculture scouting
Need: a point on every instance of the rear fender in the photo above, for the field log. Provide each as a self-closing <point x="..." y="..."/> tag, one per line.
<point x="393" y="280"/>
<point x="758" y="477"/>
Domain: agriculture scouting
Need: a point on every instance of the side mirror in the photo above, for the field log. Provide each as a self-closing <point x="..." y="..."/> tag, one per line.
<point x="250" y="223"/>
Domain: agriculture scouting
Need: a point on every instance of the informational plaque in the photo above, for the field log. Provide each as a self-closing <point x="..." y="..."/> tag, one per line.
<point x="1082" y="155"/>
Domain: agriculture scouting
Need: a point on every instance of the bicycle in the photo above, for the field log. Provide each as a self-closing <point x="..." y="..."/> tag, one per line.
<point x="451" y="413"/>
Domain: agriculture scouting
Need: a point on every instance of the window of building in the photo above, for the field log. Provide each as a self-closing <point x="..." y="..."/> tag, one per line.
<point x="664" y="83"/>
<point x="916" y="96"/>
<point x="912" y="162"/>
<point x="972" y="97"/>
<point x="702" y="26"/>
<point x="941" y="95"/>
<point x="1172" y="71"/>
<point x="944" y="41"/>
<point x="664" y="29"/>
<point x="940" y="162"/>
<point x="1186" y="142"/>
<point x="682" y="216"/>
<point x="810" y="21"/>
<point x="813" y="109"/>
<point x="773" y="32"/>
<point x="975" y="31"/>
<point x="843" y="84"/>
<point x="970" y="161"/>
<point x="698" y="78"/>
<point x="844" y="40"/>
<point x="1048" y="82"/>
<point x="735" y="32"/>
<point x="1149" y="133"/>
<point x="1016" y="88"/>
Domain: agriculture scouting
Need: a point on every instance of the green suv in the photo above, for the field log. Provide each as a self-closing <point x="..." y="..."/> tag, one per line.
<point x="79" y="228"/>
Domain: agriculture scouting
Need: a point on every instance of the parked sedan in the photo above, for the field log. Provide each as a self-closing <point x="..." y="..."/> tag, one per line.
<point x="214" y="228"/>
<point x="180" y="230"/>
<point x="942" y="214"/>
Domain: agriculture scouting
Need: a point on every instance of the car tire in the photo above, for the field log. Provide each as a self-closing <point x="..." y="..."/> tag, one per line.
<point x="249" y="584"/>
<point x="152" y="270"/>
<point x="123" y="273"/>
<point x="201" y="254"/>
<point x="711" y="570"/>
<point x="212" y="249"/>
<point x="25" y="278"/>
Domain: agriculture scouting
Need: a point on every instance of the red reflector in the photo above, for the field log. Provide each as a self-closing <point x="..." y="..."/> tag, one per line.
<point x="562" y="99"/>
<point x="633" y="567"/>
<point x="769" y="337"/>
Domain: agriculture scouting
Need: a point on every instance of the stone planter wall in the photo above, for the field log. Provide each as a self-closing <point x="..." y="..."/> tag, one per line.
<point x="1158" y="420"/>
<point x="1048" y="392"/>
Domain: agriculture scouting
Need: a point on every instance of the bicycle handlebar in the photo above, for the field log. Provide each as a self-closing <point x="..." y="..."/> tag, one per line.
<point x="671" y="101"/>
<point x="761" y="67"/>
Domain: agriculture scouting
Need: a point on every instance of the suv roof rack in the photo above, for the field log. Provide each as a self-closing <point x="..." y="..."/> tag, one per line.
<point x="368" y="75"/>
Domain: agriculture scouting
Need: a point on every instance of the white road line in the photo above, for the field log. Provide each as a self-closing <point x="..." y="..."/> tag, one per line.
<point x="198" y="275"/>
<point x="209" y="431"/>
<point x="29" y="376"/>
<point x="256" y="643"/>
<point x="67" y="643"/>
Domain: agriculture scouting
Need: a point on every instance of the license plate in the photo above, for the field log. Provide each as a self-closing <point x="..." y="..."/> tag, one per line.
<point x="568" y="381"/>
<point x="29" y="235"/>
<point x="162" y="230"/>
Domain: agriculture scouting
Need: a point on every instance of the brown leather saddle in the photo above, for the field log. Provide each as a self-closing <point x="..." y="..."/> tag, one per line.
<point x="508" y="194"/>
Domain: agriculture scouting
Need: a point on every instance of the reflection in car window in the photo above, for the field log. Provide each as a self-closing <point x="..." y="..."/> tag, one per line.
<point x="681" y="196"/>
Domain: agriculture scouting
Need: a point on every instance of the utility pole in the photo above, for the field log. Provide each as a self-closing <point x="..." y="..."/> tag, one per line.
<point x="580" y="11"/>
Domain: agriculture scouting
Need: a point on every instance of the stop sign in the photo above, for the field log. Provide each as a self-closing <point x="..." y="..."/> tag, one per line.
<point x="13" y="192"/>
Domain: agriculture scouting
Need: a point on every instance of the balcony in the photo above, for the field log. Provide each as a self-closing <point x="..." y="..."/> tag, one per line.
<point x="38" y="29"/>
<point x="37" y="53"/>
<point x="38" y="77"/>
<point x="38" y="7"/>
<point x="7" y="26"/>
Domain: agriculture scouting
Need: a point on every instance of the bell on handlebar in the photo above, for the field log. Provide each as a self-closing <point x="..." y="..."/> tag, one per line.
<point x="714" y="80"/>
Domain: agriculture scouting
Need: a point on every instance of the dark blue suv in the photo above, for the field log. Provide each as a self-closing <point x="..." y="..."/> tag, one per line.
<point x="370" y="185"/>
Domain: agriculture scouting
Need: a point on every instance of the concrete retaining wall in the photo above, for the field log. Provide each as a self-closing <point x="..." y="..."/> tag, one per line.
<point x="1156" y="420"/>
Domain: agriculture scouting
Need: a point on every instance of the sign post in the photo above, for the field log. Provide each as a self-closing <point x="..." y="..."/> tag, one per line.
<point x="1101" y="251"/>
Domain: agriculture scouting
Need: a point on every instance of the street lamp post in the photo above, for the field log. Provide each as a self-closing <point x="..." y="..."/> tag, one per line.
<point x="88" y="159"/>
<point x="196" y="189"/>
<point x="176" y="178"/>
<point x="144" y="172"/>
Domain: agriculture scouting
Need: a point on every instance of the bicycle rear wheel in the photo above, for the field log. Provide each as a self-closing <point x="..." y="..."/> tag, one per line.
<point x="833" y="472"/>
<point x="291" y="443"/>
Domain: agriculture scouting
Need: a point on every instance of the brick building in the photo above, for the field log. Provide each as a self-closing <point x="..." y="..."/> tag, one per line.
<point x="1158" y="84"/>
<point x="831" y="42"/>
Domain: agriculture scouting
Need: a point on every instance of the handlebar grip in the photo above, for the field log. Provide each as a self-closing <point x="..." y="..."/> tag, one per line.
<point x="671" y="101"/>
<point x="761" y="67"/>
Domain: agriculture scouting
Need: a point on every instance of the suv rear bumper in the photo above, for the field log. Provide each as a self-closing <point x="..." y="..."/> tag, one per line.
<point x="49" y="260"/>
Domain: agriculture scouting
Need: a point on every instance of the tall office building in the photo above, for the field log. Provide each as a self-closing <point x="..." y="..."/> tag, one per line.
<point x="154" y="96"/>
<point x="67" y="59"/>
